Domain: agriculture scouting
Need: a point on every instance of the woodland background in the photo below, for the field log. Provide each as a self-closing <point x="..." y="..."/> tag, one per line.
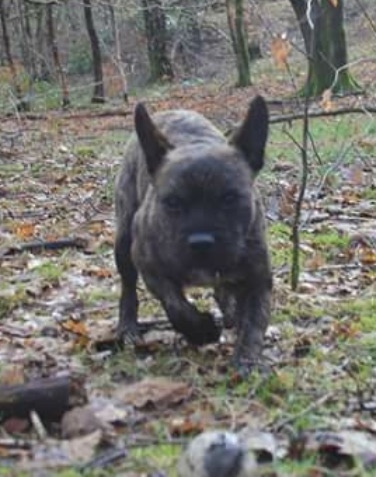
<point x="73" y="404"/>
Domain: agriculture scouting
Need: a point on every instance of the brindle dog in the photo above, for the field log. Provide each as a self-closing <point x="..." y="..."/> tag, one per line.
<point x="188" y="213"/>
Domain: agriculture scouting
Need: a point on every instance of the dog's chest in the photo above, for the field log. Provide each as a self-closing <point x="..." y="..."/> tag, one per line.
<point x="203" y="278"/>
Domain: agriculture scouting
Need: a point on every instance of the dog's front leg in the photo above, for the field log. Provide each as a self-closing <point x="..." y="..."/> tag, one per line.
<point x="253" y="313"/>
<point x="198" y="328"/>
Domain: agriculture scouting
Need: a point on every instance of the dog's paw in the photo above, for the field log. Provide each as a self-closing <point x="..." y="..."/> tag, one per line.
<point x="203" y="331"/>
<point x="245" y="365"/>
<point x="129" y="335"/>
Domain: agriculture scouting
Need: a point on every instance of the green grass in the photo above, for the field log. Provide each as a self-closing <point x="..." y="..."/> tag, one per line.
<point x="50" y="272"/>
<point x="155" y="457"/>
<point x="279" y="236"/>
<point x="94" y="294"/>
<point x="11" y="298"/>
<point x="330" y="136"/>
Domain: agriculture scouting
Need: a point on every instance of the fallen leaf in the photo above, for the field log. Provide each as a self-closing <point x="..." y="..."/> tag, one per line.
<point x="24" y="230"/>
<point x="159" y="392"/>
<point x="326" y="100"/>
<point x="79" y="421"/>
<point x="12" y="374"/>
<point x="367" y="256"/>
<point x="280" y="49"/>
<point x="98" y="272"/>
<point x="15" y="425"/>
<point x="287" y="200"/>
<point x="315" y="262"/>
<point x="355" y="175"/>
<point x="56" y="454"/>
<point x="187" y="425"/>
<point x="76" y="327"/>
<point x="108" y="413"/>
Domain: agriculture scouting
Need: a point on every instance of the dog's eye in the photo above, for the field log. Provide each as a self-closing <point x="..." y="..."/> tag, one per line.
<point x="173" y="203"/>
<point x="229" y="198"/>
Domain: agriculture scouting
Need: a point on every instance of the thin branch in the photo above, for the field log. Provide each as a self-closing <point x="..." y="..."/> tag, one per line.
<point x="347" y="66"/>
<point x="295" y="232"/>
<point x="366" y="15"/>
<point x="295" y="236"/>
<point x="318" y="114"/>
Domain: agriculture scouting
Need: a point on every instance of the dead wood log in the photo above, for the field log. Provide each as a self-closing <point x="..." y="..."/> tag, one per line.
<point x="50" y="398"/>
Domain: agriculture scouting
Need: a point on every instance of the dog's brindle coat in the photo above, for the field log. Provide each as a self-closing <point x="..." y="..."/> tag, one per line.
<point x="188" y="213"/>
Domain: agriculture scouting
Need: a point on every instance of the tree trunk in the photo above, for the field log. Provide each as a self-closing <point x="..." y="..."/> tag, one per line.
<point x="188" y="43"/>
<point x="24" y="103"/>
<point x="156" y="36"/>
<point x="98" y="94"/>
<point x="191" y="28"/>
<point x="56" y="56"/>
<point x="118" y="60"/>
<point x="43" y="68"/>
<point x="28" y="9"/>
<point x="8" y="52"/>
<point x="325" y="46"/>
<point x="235" y="19"/>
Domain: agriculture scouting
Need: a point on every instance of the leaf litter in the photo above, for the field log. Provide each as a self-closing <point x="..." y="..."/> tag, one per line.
<point x="57" y="304"/>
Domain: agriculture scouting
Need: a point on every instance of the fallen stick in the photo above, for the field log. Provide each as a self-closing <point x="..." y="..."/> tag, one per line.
<point x="39" y="245"/>
<point x="105" y="459"/>
<point x="48" y="397"/>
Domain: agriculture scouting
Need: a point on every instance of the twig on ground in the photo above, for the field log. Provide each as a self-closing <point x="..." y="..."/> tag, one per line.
<point x="278" y="426"/>
<point x="39" y="245"/>
<point x="107" y="458"/>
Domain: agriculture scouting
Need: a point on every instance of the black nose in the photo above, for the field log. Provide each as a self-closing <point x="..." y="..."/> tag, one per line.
<point x="201" y="242"/>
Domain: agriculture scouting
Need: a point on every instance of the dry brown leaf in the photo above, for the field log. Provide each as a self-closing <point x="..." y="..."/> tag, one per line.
<point x="157" y="392"/>
<point x="280" y="49"/>
<point x="316" y="261"/>
<point x="367" y="256"/>
<point x="96" y="227"/>
<point x="16" y="425"/>
<point x="76" y="327"/>
<point x="12" y="374"/>
<point x="287" y="200"/>
<point x="326" y="100"/>
<point x="367" y="144"/>
<point x="186" y="425"/>
<point x="334" y="3"/>
<point x="23" y="230"/>
<point x="79" y="421"/>
<point x="356" y="175"/>
<point x="98" y="272"/>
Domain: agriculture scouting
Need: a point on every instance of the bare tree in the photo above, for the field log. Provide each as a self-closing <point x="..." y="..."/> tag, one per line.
<point x="188" y="44"/>
<point x="9" y="57"/>
<point x="156" y="36"/>
<point x="56" y="56"/>
<point x="98" y="94"/>
<point x="235" y="18"/>
<point x="118" y="60"/>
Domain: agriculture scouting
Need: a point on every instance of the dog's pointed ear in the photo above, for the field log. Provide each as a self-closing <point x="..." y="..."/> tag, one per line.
<point x="154" y="144"/>
<point x="251" y="136"/>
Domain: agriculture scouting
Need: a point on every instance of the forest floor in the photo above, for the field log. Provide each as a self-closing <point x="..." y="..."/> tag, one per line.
<point x="314" y="414"/>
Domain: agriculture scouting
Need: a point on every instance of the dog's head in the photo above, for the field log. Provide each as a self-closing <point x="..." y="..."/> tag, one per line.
<point x="204" y="194"/>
